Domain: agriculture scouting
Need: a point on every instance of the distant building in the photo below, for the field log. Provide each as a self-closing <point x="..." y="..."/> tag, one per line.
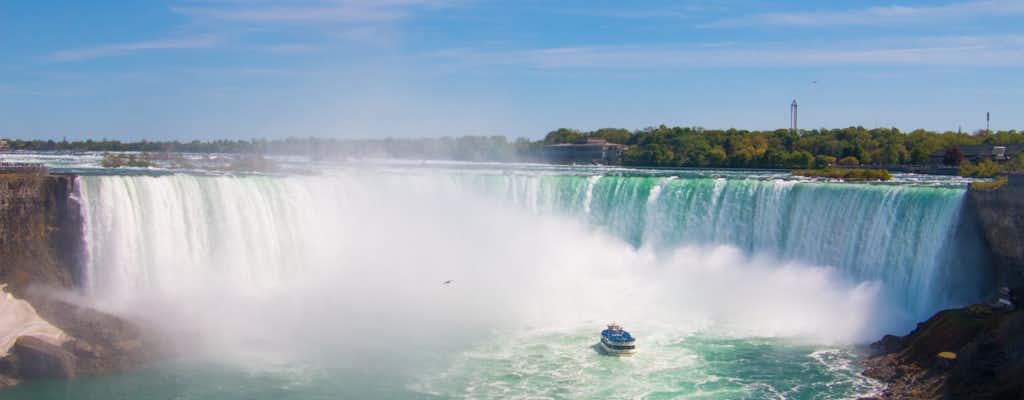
<point x="976" y="153"/>
<point x="3" y="145"/>
<point x="584" y="151"/>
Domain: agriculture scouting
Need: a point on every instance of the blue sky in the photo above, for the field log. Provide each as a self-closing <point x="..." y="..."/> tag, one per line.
<point x="199" y="69"/>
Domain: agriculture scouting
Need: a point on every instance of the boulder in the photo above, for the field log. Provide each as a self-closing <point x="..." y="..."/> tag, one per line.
<point x="38" y="359"/>
<point x="102" y="343"/>
<point x="7" y="381"/>
<point x="972" y="352"/>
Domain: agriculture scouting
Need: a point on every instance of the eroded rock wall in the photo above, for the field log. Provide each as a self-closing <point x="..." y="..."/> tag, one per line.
<point x="1000" y="213"/>
<point x="40" y="247"/>
<point x="40" y="231"/>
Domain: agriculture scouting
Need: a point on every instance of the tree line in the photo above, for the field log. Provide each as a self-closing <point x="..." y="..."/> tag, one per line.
<point x="655" y="146"/>
<point x="782" y="148"/>
<point x="465" y="148"/>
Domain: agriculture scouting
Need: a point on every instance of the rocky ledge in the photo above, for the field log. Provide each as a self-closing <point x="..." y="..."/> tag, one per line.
<point x="975" y="352"/>
<point x="1000" y="212"/>
<point x="40" y="239"/>
<point x="96" y="343"/>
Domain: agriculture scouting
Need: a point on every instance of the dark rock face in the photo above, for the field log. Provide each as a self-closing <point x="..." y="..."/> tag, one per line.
<point x="989" y="360"/>
<point x="40" y="231"/>
<point x="7" y="381"/>
<point x="1001" y="216"/>
<point x="102" y="343"/>
<point x="38" y="359"/>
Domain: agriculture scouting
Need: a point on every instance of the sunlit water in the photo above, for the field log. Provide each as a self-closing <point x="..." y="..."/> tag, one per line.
<point x="737" y="284"/>
<point x="539" y="364"/>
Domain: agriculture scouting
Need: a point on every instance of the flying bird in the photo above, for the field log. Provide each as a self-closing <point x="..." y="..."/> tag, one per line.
<point x="814" y="82"/>
<point x="447" y="282"/>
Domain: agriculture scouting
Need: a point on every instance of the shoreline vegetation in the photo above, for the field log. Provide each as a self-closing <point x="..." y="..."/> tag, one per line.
<point x="239" y="163"/>
<point x="845" y="174"/>
<point x="988" y="186"/>
<point x="691" y="147"/>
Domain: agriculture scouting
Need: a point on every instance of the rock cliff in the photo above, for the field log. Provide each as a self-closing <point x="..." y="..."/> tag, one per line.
<point x="40" y="231"/>
<point x="982" y="357"/>
<point x="1000" y="213"/>
<point x="40" y="241"/>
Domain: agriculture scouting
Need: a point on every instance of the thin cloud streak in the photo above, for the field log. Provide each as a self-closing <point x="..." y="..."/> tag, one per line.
<point x="71" y="55"/>
<point x="976" y="51"/>
<point x="343" y="11"/>
<point x="879" y="15"/>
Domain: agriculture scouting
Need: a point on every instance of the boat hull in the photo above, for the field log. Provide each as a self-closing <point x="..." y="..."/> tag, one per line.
<point x="618" y="350"/>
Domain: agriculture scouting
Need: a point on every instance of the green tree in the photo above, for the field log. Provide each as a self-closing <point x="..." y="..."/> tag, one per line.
<point x="823" y="161"/>
<point x="849" y="160"/>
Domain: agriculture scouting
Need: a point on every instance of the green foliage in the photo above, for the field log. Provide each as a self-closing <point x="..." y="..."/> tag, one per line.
<point x="613" y="135"/>
<point x="849" y="160"/>
<point x="846" y="174"/>
<point x="984" y="169"/>
<point x="986" y="186"/>
<point x="654" y="146"/>
<point x="655" y="154"/>
<point x="800" y="159"/>
<point x="562" y="135"/>
<point x="823" y="161"/>
<point x="1016" y="164"/>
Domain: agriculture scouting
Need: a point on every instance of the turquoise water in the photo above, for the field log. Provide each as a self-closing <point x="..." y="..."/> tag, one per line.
<point x="699" y="365"/>
<point x="550" y="365"/>
<point x="737" y="284"/>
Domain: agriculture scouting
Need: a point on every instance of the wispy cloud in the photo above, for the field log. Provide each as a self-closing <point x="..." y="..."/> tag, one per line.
<point x="878" y="15"/>
<point x="1003" y="50"/>
<point x="290" y="48"/>
<point x="115" y="49"/>
<point x="345" y="11"/>
<point x="637" y="10"/>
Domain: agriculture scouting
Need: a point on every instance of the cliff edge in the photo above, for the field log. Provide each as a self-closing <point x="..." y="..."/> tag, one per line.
<point x="1000" y="212"/>
<point x="40" y="231"/>
<point x="50" y="336"/>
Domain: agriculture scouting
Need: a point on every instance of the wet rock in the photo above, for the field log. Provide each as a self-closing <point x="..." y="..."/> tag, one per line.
<point x="7" y="381"/>
<point x="39" y="359"/>
<point x="989" y="357"/>
<point x="102" y="343"/>
<point x="1001" y="216"/>
<point x="40" y="231"/>
<point x="889" y="344"/>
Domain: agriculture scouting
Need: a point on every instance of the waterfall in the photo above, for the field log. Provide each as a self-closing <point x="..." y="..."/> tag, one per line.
<point x="167" y="232"/>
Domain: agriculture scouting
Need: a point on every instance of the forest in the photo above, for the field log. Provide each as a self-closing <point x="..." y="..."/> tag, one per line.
<point x="782" y="148"/>
<point x="655" y="147"/>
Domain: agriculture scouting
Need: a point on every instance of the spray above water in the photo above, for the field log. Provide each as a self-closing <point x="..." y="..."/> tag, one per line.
<point x="290" y="265"/>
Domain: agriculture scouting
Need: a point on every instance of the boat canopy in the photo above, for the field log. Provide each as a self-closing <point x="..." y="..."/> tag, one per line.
<point x="615" y="333"/>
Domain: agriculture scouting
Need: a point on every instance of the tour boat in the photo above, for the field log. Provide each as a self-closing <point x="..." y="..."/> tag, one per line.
<point x="616" y="341"/>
